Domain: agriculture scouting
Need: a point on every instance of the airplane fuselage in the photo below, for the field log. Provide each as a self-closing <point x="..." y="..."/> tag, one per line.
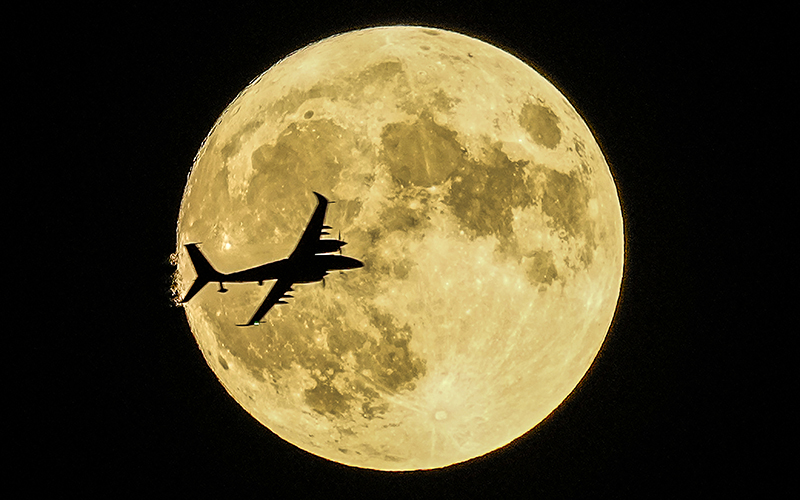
<point x="310" y="270"/>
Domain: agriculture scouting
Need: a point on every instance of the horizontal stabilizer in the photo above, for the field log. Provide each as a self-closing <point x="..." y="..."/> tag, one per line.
<point x="205" y="271"/>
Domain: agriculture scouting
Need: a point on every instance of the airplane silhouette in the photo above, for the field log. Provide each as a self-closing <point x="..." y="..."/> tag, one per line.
<point x="309" y="262"/>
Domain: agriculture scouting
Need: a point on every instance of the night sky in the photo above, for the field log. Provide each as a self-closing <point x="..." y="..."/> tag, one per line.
<point x="118" y="398"/>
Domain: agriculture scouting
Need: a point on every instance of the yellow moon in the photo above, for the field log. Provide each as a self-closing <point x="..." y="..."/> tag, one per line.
<point x="484" y="211"/>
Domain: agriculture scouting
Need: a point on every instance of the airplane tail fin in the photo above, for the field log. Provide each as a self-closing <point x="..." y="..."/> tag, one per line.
<point x="205" y="271"/>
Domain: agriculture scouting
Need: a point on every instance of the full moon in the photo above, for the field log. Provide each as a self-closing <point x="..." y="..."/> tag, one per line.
<point x="485" y="215"/>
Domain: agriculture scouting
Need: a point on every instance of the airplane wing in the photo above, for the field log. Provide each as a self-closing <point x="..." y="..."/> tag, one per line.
<point x="276" y="295"/>
<point x="307" y="245"/>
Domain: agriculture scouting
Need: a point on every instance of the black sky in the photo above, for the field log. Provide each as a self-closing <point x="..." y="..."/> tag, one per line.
<point x="118" y="397"/>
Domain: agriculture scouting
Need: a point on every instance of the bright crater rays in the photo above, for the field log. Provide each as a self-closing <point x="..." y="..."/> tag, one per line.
<point x="485" y="214"/>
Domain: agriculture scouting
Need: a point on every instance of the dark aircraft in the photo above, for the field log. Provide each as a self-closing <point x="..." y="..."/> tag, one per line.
<point x="309" y="262"/>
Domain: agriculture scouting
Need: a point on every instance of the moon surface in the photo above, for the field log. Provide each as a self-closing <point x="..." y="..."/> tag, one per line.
<point x="484" y="211"/>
